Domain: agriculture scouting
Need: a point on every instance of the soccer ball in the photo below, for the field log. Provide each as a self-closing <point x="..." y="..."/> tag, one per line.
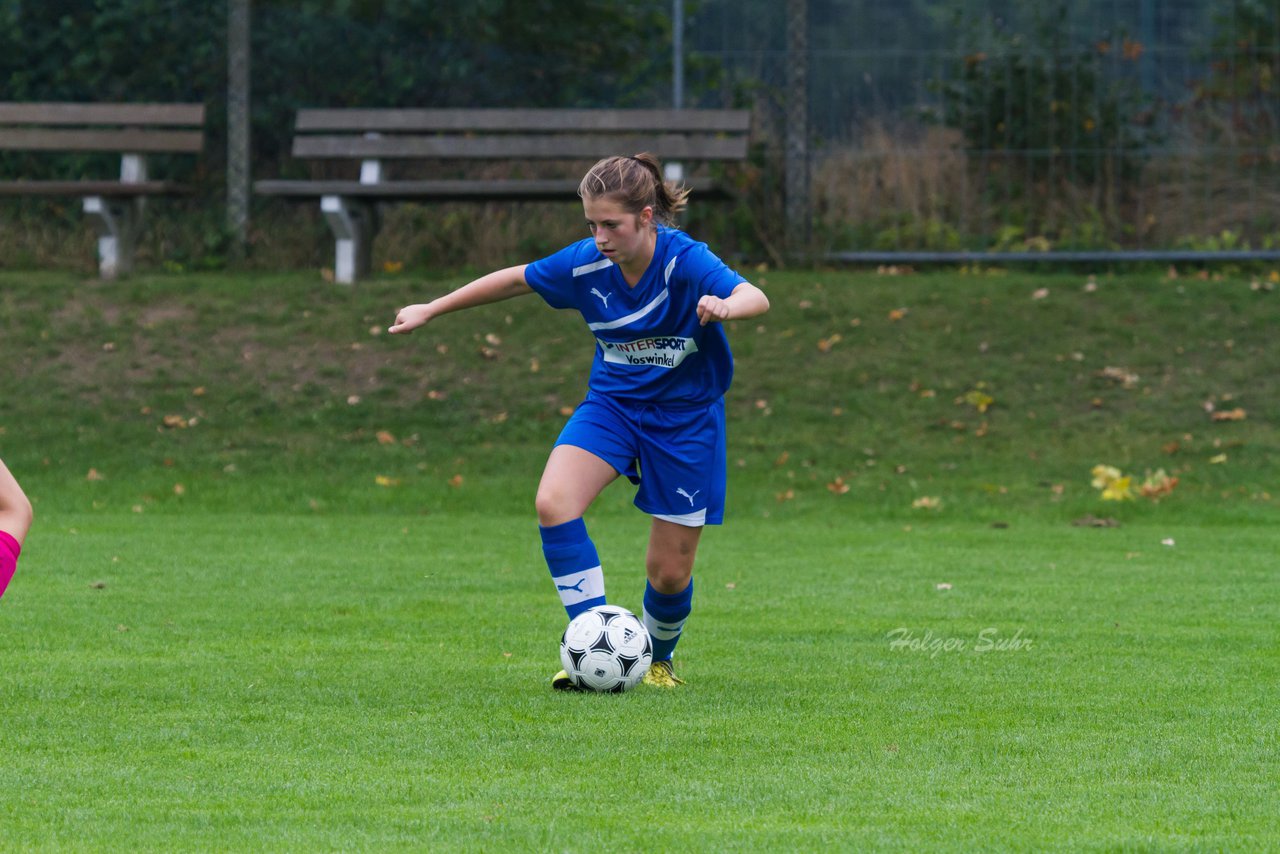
<point x="606" y="649"/>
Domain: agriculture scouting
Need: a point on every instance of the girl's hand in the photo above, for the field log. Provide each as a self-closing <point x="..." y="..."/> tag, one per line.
<point x="410" y="318"/>
<point x="712" y="309"/>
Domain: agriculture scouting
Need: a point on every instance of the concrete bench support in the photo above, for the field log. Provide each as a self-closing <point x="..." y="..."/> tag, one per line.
<point x="354" y="224"/>
<point x="118" y="220"/>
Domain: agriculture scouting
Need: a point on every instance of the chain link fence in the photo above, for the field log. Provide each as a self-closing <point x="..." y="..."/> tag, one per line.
<point x="952" y="130"/>
<point x="920" y="129"/>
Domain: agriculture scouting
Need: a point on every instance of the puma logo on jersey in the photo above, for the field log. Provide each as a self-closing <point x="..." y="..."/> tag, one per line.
<point x="680" y="491"/>
<point x="604" y="298"/>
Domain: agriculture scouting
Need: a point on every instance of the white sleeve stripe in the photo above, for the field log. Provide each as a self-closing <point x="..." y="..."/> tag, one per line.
<point x="592" y="267"/>
<point x="666" y="274"/>
<point x="634" y="316"/>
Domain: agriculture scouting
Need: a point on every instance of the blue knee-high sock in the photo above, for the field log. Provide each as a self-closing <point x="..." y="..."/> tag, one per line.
<point x="574" y="565"/>
<point x="664" y="616"/>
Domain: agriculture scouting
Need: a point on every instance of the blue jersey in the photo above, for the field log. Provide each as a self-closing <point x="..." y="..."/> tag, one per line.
<point x="649" y="345"/>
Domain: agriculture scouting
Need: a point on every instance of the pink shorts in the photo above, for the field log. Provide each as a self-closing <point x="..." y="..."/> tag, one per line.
<point x="9" y="550"/>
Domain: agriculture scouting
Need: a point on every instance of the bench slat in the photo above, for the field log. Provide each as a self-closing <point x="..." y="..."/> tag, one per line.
<point x="450" y="190"/>
<point x="102" y="114"/>
<point x="728" y="121"/>
<point x="458" y="147"/>
<point x="124" y="140"/>
<point x="90" y="188"/>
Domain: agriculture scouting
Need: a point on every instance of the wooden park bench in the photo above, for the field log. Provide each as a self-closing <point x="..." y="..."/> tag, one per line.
<point x="133" y="131"/>
<point x="448" y="139"/>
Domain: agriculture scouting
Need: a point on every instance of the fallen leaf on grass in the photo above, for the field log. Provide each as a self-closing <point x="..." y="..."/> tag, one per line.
<point x="1091" y="521"/>
<point x="1118" y="490"/>
<point x="942" y="586"/>
<point x="927" y="502"/>
<point x="1218" y="460"/>
<point x="838" y="486"/>
<point x="1124" y="376"/>
<point x="1236" y="414"/>
<point x="1167" y="541"/>
<point x="898" y="313"/>
<point x="383" y="480"/>
<point x="825" y="344"/>
<point x="1114" y="484"/>
<point x="94" y="474"/>
<point x="385" y="438"/>
<point x="977" y="398"/>
<point x="1157" y="485"/>
<point x="456" y="481"/>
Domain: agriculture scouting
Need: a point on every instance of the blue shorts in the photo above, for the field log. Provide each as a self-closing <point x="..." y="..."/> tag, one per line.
<point x="675" y="456"/>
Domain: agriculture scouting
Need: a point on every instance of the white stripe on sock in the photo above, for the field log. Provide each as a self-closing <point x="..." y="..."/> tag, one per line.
<point x="662" y="631"/>
<point x="580" y="586"/>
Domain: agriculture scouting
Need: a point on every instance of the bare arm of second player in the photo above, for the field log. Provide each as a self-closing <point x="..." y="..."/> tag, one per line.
<point x="15" y="508"/>
<point x="496" y="286"/>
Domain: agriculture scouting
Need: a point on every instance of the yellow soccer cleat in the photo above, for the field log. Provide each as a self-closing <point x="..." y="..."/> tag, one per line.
<point x="562" y="682"/>
<point x="661" y="675"/>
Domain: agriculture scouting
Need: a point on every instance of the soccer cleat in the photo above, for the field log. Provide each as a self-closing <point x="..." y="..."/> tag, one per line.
<point x="562" y="682"/>
<point x="661" y="675"/>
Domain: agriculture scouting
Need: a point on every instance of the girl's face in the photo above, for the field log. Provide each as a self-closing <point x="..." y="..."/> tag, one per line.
<point x="622" y="237"/>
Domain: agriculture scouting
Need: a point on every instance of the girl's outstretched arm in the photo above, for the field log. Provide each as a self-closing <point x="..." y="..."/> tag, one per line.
<point x="746" y="301"/>
<point x="498" y="285"/>
<point x="15" y="509"/>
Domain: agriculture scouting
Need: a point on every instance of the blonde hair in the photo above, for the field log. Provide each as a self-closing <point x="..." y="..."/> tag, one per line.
<point x="635" y="183"/>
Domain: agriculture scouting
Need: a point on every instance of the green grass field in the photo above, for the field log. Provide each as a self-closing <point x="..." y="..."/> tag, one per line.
<point x="285" y="591"/>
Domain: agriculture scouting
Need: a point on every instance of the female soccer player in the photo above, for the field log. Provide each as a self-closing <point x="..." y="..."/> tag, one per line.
<point x="654" y="299"/>
<point x="15" y="521"/>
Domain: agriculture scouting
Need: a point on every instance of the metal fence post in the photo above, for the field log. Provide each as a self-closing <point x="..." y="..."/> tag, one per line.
<point x="238" y="84"/>
<point x="797" y="133"/>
